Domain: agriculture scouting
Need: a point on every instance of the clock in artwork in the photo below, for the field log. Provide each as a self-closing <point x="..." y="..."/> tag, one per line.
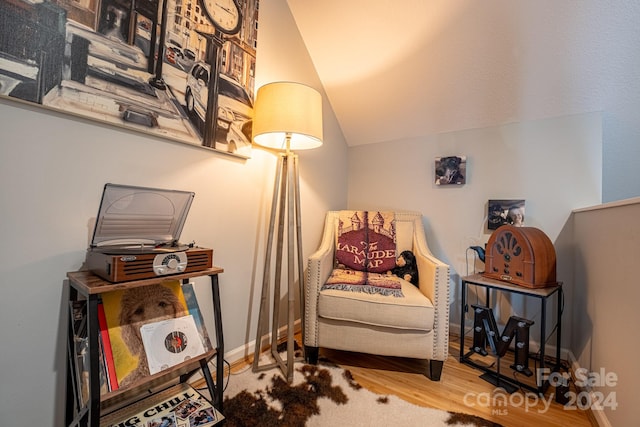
<point x="225" y="15"/>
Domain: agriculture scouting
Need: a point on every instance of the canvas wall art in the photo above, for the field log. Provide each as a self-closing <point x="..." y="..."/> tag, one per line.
<point x="179" y="69"/>
<point x="450" y="170"/>
<point x="501" y="212"/>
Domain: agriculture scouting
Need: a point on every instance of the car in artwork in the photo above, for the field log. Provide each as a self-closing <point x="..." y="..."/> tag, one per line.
<point x="235" y="107"/>
<point x="189" y="54"/>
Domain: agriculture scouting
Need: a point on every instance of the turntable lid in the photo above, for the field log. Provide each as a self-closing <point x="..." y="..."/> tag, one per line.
<point x="138" y="214"/>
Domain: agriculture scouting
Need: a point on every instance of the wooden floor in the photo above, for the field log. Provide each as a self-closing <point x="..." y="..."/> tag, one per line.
<point x="459" y="390"/>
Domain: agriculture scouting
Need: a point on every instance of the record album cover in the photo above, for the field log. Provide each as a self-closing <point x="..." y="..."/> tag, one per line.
<point x="178" y="406"/>
<point x="126" y="311"/>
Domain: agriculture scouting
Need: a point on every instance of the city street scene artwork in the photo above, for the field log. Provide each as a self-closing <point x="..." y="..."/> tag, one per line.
<point x="178" y="69"/>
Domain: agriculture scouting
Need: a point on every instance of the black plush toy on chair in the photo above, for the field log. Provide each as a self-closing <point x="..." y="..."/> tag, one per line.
<point x="406" y="267"/>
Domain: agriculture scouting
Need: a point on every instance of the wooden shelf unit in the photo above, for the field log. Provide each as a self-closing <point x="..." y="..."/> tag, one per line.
<point x="86" y="285"/>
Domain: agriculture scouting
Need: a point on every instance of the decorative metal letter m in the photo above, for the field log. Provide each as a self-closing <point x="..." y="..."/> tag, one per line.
<point x="485" y="331"/>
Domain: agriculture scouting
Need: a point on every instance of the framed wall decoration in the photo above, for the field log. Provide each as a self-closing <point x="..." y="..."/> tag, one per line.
<point x="502" y="212"/>
<point x="179" y="69"/>
<point x="451" y="170"/>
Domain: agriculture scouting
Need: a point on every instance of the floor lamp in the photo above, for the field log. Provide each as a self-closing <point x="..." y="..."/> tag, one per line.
<point x="287" y="116"/>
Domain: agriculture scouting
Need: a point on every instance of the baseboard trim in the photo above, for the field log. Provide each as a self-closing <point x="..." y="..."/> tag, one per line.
<point x="244" y="353"/>
<point x="597" y="417"/>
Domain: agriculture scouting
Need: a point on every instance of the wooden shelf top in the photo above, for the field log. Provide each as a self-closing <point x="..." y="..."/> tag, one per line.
<point x="89" y="283"/>
<point x="479" y="279"/>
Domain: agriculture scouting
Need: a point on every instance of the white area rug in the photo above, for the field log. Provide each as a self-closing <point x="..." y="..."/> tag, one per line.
<point x="323" y="396"/>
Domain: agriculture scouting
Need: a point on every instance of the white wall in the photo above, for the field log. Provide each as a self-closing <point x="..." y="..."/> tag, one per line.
<point x="53" y="168"/>
<point x="442" y="66"/>
<point x="554" y="164"/>
<point x="607" y="242"/>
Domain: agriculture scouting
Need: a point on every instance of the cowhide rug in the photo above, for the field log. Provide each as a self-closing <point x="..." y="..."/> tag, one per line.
<point x="324" y="395"/>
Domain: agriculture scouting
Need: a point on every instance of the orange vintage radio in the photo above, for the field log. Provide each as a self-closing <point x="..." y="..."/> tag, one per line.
<point x="521" y="255"/>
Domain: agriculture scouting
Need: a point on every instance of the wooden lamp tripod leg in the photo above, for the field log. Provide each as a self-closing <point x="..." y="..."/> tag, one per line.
<point x="286" y="201"/>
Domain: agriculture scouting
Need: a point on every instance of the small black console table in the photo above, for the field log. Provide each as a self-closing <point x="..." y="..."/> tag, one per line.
<point x="542" y="294"/>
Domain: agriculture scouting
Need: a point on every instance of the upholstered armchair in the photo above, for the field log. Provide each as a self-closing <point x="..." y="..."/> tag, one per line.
<point x="411" y="323"/>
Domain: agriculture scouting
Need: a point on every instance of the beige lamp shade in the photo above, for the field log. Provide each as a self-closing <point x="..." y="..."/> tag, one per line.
<point x="286" y="111"/>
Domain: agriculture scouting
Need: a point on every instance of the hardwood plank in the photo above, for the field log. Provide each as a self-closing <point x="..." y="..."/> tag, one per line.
<point x="460" y="389"/>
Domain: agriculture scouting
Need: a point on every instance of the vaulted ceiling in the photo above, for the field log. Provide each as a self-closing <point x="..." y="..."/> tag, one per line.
<point x="396" y="69"/>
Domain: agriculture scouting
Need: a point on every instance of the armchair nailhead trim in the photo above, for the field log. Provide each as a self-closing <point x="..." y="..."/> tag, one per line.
<point x="444" y="314"/>
<point x="306" y="307"/>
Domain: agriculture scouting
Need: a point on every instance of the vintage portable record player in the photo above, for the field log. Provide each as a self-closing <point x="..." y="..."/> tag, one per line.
<point x="136" y="235"/>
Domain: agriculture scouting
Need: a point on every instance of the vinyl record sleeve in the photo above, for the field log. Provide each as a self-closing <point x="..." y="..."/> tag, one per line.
<point x="181" y="405"/>
<point x="124" y="331"/>
<point x="170" y="342"/>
